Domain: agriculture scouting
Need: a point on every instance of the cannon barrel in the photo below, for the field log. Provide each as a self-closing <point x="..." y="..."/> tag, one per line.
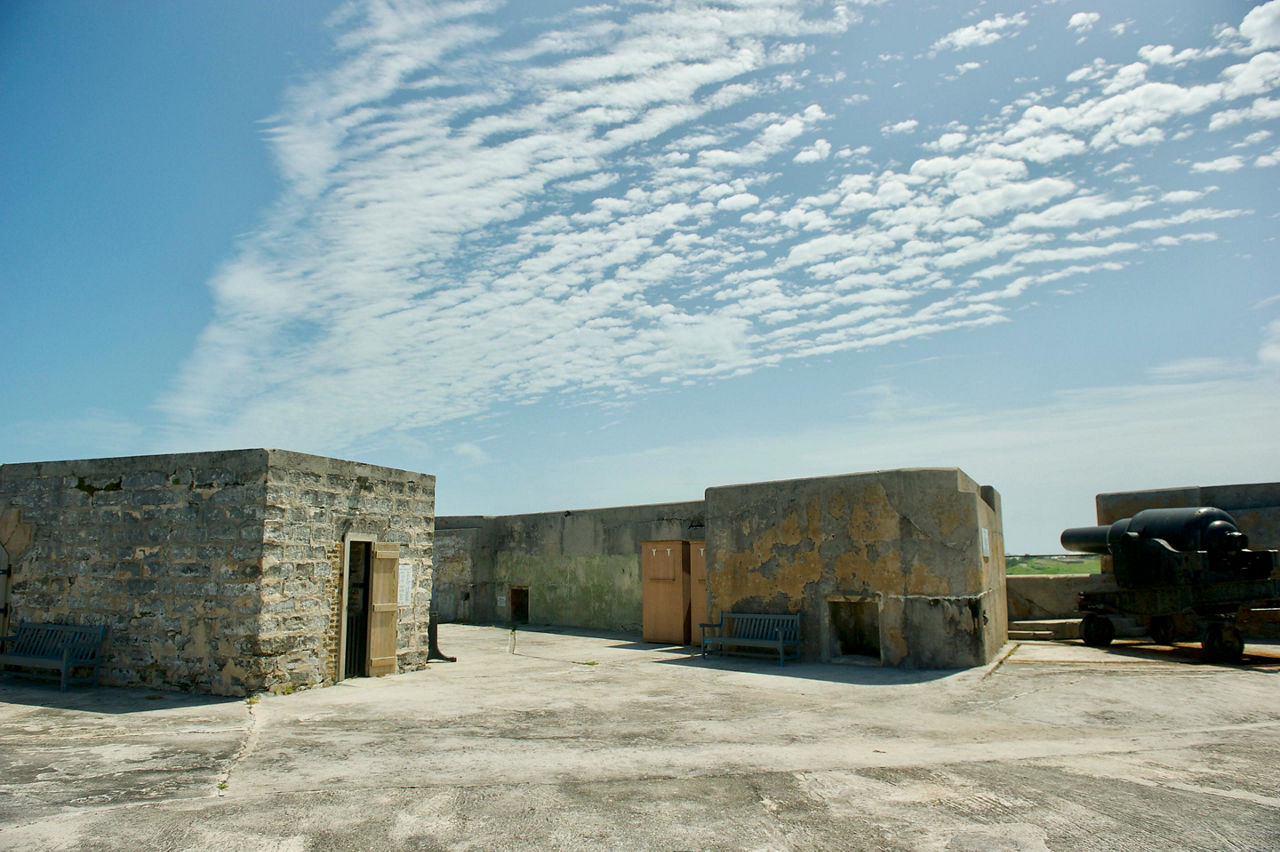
<point x="1188" y="529"/>
<point x="1086" y="540"/>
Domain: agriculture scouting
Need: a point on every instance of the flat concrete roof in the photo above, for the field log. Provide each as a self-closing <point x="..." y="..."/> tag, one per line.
<point x="590" y="741"/>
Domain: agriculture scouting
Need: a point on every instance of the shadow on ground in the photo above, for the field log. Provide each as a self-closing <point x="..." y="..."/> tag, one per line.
<point x="32" y="692"/>
<point x="850" y="672"/>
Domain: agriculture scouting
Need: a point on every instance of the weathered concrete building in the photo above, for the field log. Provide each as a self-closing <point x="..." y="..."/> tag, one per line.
<point x="226" y="572"/>
<point x="901" y="567"/>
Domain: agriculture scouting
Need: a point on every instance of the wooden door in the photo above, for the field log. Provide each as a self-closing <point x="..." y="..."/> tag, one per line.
<point x="384" y="576"/>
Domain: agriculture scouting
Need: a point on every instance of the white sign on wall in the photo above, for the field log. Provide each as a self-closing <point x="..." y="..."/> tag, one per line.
<point x="502" y="601"/>
<point x="406" y="584"/>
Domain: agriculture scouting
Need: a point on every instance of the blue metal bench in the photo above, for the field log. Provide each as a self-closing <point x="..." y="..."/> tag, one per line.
<point x="61" y="647"/>
<point x="753" y="630"/>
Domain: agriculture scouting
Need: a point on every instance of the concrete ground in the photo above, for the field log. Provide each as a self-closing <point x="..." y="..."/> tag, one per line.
<point x="588" y="741"/>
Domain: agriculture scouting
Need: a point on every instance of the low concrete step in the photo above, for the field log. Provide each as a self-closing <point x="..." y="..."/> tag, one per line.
<point x="1069" y="628"/>
<point x="1049" y="628"/>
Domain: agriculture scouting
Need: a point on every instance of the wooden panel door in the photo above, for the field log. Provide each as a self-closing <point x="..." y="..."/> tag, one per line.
<point x="384" y="576"/>
<point x="697" y="588"/>
<point x="664" y="593"/>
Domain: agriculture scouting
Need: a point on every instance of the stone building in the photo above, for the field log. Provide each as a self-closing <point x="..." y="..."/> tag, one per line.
<point x="902" y="567"/>
<point x="225" y="572"/>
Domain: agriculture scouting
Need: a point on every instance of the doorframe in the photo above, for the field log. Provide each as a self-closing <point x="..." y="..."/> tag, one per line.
<point x="340" y="671"/>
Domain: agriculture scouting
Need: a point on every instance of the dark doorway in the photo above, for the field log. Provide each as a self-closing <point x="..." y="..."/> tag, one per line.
<point x="355" y="661"/>
<point x="519" y="605"/>
<point x="855" y="628"/>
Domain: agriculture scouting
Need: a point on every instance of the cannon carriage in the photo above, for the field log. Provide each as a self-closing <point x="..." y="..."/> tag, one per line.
<point x="1171" y="563"/>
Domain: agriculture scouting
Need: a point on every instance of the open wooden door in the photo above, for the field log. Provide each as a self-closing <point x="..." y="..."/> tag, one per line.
<point x="384" y="576"/>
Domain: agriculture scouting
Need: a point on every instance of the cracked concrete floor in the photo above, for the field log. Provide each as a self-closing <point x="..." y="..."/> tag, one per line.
<point x="589" y="741"/>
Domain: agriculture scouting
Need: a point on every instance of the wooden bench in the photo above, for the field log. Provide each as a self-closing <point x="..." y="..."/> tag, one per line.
<point x="61" y="647"/>
<point x="753" y="630"/>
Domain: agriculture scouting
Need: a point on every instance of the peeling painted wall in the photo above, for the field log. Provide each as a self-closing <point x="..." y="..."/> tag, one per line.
<point x="909" y="542"/>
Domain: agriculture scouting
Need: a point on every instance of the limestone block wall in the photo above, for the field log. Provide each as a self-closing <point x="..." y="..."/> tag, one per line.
<point x="215" y="572"/>
<point x="456" y="589"/>
<point x="916" y="557"/>
<point x="164" y="550"/>
<point x="312" y="504"/>
<point x="581" y="568"/>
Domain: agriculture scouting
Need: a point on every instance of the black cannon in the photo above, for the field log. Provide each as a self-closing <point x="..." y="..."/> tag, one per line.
<point x="1192" y="562"/>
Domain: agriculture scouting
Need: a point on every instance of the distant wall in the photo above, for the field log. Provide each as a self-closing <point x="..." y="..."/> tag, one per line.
<point x="581" y="568"/>
<point x="906" y="563"/>
<point x="1256" y="507"/>
<point x="1050" y="596"/>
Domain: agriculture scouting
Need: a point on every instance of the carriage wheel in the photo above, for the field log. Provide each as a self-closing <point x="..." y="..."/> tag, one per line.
<point x="1097" y="631"/>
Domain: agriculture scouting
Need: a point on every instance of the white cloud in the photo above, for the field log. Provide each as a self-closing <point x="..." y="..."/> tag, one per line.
<point x="982" y="33"/>
<point x="470" y="224"/>
<point x="1222" y="164"/>
<point x="906" y="126"/>
<point x="1082" y="22"/>
<point x="1261" y="26"/>
<point x="739" y="201"/>
<point x="1262" y="109"/>
<point x="818" y="151"/>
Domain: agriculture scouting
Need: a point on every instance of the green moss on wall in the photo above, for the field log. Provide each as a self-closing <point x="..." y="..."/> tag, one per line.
<point x="597" y="591"/>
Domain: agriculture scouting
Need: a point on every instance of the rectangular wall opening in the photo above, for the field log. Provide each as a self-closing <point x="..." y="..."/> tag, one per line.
<point x="519" y="605"/>
<point x="855" y="629"/>
<point x="355" y="660"/>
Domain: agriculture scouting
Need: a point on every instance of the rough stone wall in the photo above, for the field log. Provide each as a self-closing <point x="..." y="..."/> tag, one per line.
<point x="456" y="596"/>
<point x="909" y="541"/>
<point x="164" y="550"/>
<point x="582" y="568"/>
<point x="216" y="572"/>
<point x="312" y="504"/>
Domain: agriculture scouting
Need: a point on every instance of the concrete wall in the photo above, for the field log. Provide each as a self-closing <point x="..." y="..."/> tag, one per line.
<point x="1051" y="596"/>
<point x="1256" y="507"/>
<point x="582" y="568"/>
<point x="923" y="548"/>
<point x="217" y="572"/>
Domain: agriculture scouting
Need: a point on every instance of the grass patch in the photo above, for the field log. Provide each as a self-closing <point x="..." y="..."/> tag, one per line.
<point x="1081" y="563"/>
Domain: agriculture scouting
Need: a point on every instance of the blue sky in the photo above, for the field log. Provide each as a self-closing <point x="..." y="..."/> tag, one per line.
<point x="566" y="255"/>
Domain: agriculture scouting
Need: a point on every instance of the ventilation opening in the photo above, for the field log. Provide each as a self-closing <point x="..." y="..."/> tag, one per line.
<point x="519" y="605"/>
<point x="855" y="629"/>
